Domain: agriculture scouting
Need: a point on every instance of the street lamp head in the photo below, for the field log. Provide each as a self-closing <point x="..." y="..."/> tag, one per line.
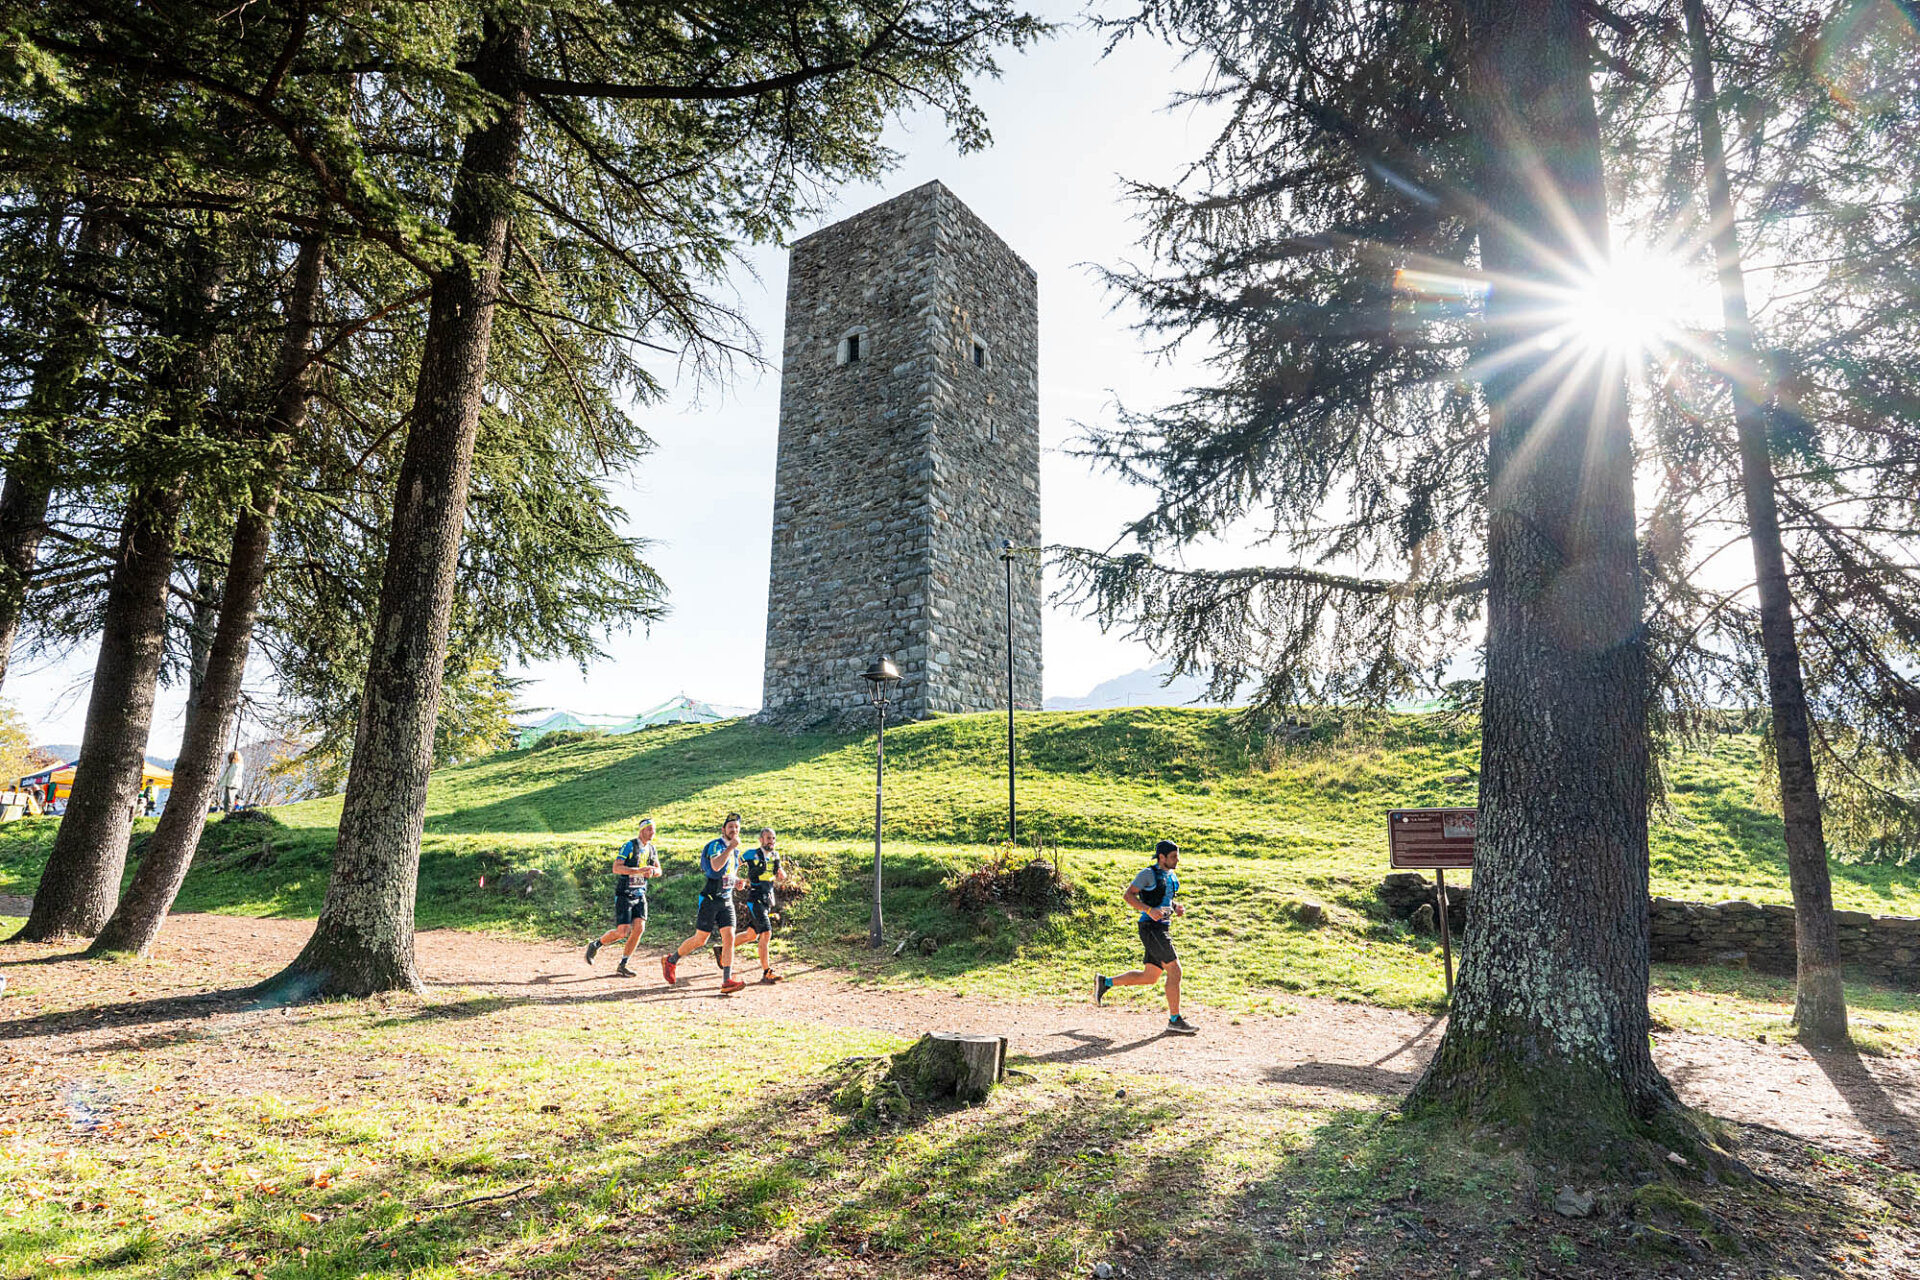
<point x="1006" y="548"/>
<point x="881" y="678"/>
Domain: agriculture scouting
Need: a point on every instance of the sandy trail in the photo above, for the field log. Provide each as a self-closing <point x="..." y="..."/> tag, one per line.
<point x="1325" y="1051"/>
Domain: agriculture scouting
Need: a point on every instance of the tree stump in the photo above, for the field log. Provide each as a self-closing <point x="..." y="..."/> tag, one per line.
<point x="952" y="1064"/>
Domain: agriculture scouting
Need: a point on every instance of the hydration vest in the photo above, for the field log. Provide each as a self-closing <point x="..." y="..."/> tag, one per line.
<point x="716" y="886"/>
<point x="1156" y="896"/>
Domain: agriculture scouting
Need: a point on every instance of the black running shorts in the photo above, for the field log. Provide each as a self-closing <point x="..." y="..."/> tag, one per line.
<point x="716" y="912"/>
<point x="759" y="916"/>
<point x="1157" y="940"/>
<point x="627" y="910"/>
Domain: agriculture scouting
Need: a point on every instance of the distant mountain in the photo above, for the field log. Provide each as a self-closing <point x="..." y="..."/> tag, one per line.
<point x="1142" y="688"/>
<point x="68" y="752"/>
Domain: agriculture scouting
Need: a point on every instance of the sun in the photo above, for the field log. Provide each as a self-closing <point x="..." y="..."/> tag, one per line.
<point x="1644" y="300"/>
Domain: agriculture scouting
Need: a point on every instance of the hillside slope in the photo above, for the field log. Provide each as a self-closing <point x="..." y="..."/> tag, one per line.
<point x="520" y="841"/>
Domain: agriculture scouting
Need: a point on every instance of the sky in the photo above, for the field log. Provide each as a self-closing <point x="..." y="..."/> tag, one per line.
<point x="1069" y="125"/>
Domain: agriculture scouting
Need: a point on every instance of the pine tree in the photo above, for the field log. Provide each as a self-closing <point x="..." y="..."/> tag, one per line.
<point x="81" y="881"/>
<point x="136" y="921"/>
<point x="1386" y="247"/>
<point x="1820" y="1008"/>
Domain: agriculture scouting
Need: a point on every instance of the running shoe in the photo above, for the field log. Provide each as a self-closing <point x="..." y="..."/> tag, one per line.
<point x="593" y="949"/>
<point x="621" y="970"/>
<point x="1101" y="985"/>
<point x="768" y="976"/>
<point x="732" y="985"/>
<point x="716" y="957"/>
<point x="1179" y="1026"/>
<point x="667" y="967"/>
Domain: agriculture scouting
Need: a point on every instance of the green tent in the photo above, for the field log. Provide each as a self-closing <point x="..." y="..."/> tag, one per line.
<point x="676" y="710"/>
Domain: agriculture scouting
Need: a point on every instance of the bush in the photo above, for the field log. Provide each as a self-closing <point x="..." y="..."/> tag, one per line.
<point x="568" y="738"/>
<point x="1012" y="880"/>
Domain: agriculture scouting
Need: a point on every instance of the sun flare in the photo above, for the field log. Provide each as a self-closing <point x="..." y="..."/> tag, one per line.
<point x="1642" y="301"/>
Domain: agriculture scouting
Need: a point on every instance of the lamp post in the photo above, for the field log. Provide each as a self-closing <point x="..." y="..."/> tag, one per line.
<point x="1007" y="550"/>
<point x="882" y="678"/>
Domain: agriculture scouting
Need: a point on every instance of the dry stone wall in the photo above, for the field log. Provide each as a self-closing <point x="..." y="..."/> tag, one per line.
<point x="909" y="449"/>
<point x="1758" y="935"/>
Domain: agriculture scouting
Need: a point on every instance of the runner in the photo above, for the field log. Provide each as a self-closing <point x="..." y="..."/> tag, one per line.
<point x="1151" y="894"/>
<point x="763" y="871"/>
<point x="717" y="864"/>
<point x="633" y="866"/>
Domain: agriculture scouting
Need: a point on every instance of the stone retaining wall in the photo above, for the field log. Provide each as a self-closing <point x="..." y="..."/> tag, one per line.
<point x="1759" y="935"/>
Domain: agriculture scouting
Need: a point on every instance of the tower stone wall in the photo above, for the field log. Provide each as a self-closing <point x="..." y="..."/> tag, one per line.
<point x="909" y="448"/>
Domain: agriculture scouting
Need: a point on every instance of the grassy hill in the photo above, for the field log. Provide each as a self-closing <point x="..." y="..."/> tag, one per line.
<point x="1266" y="826"/>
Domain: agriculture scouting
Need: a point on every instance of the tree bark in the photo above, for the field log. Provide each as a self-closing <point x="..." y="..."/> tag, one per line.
<point x="1819" y="1002"/>
<point x="1549" y="1025"/>
<point x="81" y="881"/>
<point x="163" y="867"/>
<point x="29" y="485"/>
<point x="363" y="941"/>
<point x="201" y="625"/>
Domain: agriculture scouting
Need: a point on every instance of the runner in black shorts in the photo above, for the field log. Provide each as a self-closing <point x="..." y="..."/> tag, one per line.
<point x="633" y="866"/>
<point x="763" y="871"/>
<point x="1152" y="894"/>
<point x="717" y="864"/>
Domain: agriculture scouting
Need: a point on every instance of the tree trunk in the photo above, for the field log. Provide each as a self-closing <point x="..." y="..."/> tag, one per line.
<point x="1549" y="1025"/>
<point x="81" y="881"/>
<point x="29" y="484"/>
<point x="156" y="882"/>
<point x="205" y="620"/>
<point x="363" y="941"/>
<point x="1819" y="1004"/>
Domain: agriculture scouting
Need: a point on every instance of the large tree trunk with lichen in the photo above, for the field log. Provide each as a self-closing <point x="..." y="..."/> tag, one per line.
<point x="1819" y="1002"/>
<point x="81" y="881"/>
<point x="30" y="471"/>
<point x="216" y="695"/>
<point x="363" y="941"/>
<point x="1549" y="1025"/>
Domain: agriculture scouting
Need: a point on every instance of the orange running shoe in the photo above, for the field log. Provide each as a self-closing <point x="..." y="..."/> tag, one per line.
<point x="768" y="976"/>
<point x="667" y="968"/>
<point x="732" y="985"/>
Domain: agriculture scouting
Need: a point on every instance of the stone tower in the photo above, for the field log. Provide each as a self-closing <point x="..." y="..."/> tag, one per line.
<point x="909" y="448"/>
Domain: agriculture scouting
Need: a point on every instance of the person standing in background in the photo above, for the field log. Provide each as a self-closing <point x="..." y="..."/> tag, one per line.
<point x="231" y="780"/>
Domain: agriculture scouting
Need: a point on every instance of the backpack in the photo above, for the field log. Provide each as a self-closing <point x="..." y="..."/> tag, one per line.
<point x="1156" y="896"/>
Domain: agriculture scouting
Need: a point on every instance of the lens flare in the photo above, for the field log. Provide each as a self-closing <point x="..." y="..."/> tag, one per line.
<point x="1638" y="304"/>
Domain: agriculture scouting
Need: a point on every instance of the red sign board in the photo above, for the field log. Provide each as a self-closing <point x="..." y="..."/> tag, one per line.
<point x="1431" y="839"/>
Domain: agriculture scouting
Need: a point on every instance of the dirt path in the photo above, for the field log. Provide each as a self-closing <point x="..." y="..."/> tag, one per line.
<point x="1325" y="1051"/>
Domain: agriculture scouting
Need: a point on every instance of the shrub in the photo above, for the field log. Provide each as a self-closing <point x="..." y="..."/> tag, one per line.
<point x="1013" y="880"/>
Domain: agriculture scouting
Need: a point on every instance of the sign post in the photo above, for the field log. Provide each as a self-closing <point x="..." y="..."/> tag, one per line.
<point x="1434" y="840"/>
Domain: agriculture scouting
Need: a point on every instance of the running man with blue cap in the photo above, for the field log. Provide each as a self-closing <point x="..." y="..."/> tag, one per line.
<point x="1151" y="893"/>
<point x="633" y="866"/>
<point x="718" y="863"/>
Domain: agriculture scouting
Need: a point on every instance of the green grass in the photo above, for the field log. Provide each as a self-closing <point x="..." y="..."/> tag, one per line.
<point x="1264" y="828"/>
<point x="494" y="1136"/>
<point x="1734" y="1002"/>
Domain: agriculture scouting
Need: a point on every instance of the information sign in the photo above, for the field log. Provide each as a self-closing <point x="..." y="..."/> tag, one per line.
<point x="1431" y="839"/>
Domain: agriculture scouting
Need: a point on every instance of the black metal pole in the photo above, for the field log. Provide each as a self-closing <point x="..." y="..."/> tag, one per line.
<point x="879" y="774"/>
<point x="1446" y="926"/>
<point x="1013" y="831"/>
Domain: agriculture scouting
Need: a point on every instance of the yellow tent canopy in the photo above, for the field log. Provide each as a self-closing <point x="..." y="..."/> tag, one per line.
<point x="57" y="782"/>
